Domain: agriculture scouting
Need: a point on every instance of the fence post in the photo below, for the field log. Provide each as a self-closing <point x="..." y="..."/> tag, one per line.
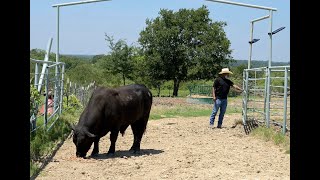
<point x="34" y="117"/>
<point x="245" y="98"/>
<point x="268" y="97"/>
<point x="36" y="75"/>
<point x="265" y="95"/>
<point x="61" y="84"/>
<point x="285" y="101"/>
<point x="46" y="101"/>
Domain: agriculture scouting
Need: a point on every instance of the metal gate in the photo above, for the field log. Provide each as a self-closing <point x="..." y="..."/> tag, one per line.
<point x="266" y="96"/>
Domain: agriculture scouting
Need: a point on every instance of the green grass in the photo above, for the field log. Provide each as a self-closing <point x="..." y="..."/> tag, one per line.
<point x="231" y="110"/>
<point x="168" y="92"/>
<point x="179" y="112"/>
<point x="269" y="134"/>
<point x="189" y="111"/>
<point x="43" y="143"/>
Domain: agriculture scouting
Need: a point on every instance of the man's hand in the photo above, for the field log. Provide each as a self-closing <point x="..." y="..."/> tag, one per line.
<point x="238" y="88"/>
<point x="214" y="99"/>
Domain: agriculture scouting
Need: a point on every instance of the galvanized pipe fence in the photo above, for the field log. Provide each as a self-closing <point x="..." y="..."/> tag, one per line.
<point x="49" y="80"/>
<point x="266" y="96"/>
<point x="205" y="90"/>
<point x="53" y="81"/>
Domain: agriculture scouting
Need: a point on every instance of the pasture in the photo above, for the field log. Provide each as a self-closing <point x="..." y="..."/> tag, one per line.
<point x="178" y="145"/>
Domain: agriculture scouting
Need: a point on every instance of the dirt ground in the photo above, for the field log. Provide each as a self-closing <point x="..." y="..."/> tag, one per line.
<point x="177" y="148"/>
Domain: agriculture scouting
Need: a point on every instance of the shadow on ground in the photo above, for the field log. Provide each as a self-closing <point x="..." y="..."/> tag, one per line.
<point x="127" y="154"/>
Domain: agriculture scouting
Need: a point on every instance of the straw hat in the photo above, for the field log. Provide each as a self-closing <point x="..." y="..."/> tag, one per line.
<point x="225" y="70"/>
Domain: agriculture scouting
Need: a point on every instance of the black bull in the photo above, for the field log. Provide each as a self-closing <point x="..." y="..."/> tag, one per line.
<point x="113" y="110"/>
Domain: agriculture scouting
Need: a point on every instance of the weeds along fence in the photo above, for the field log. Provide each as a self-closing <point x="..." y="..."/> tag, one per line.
<point x="83" y="93"/>
<point x="46" y="93"/>
<point x="266" y="97"/>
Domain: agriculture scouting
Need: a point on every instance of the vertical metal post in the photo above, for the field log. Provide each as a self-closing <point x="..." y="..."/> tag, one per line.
<point x="36" y="75"/>
<point x="243" y="98"/>
<point x="58" y="16"/>
<point x="250" y="49"/>
<point x="255" y="89"/>
<point x="270" y="58"/>
<point x="268" y="97"/>
<point x="46" y="101"/>
<point x="61" y="84"/>
<point x="56" y="81"/>
<point x="285" y="100"/>
<point x="269" y="74"/>
<point x="265" y="94"/>
<point x="246" y="78"/>
<point x="57" y="60"/>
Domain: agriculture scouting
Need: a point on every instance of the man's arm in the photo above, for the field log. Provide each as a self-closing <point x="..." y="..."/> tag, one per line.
<point x="237" y="88"/>
<point x="213" y="94"/>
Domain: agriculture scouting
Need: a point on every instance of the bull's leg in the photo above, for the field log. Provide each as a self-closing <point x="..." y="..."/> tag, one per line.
<point x="138" y="129"/>
<point x="95" y="150"/>
<point x="135" y="138"/>
<point x="113" y="139"/>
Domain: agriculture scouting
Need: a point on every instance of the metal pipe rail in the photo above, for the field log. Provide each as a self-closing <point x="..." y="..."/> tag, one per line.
<point x="41" y="61"/>
<point x="245" y="5"/>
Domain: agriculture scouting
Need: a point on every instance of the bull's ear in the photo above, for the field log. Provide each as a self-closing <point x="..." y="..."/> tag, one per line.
<point x="89" y="134"/>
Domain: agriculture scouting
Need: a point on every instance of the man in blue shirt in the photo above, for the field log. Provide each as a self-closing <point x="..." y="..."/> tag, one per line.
<point x="220" y="91"/>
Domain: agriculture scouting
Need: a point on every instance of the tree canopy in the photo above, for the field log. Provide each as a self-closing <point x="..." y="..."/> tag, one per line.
<point x="184" y="45"/>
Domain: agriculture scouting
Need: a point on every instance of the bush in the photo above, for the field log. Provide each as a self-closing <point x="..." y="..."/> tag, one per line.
<point x="43" y="142"/>
<point x="71" y="104"/>
<point x="35" y="100"/>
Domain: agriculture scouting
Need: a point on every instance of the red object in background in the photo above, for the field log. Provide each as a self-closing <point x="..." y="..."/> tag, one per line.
<point x="50" y="107"/>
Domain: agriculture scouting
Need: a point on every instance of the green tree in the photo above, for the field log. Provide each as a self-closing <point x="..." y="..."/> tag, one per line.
<point x="85" y="74"/>
<point x="184" y="45"/>
<point x="71" y="62"/>
<point x="96" y="58"/>
<point x="120" y="60"/>
<point x="238" y="71"/>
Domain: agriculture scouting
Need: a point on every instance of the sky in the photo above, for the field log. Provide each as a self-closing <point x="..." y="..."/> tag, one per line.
<point x="83" y="27"/>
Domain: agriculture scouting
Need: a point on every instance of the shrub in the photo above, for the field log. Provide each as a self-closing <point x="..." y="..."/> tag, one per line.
<point x="35" y="100"/>
<point x="71" y="104"/>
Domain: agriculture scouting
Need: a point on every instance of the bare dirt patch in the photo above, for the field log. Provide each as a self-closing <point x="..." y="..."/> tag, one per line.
<point x="177" y="148"/>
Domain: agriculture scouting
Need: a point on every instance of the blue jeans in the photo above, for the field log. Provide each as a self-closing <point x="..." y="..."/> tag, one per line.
<point x="219" y="104"/>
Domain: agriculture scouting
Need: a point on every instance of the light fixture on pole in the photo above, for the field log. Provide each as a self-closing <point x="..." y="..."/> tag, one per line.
<point x="276" y="31"/>
<point x="253" y="41"/>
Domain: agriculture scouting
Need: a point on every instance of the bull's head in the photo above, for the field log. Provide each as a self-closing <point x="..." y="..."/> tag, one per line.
<point x="83" y="140"/>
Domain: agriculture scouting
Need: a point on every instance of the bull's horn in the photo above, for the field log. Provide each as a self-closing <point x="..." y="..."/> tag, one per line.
<point x="89" y="134"/>
<point x="73" y="127"/>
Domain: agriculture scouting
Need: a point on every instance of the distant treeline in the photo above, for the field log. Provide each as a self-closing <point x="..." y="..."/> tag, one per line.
<point x="257" y="63"/>
<point x="235" y="63"/>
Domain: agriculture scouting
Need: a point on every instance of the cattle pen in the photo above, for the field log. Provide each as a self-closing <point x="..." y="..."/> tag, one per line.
<point x="266" y="96"/>
<point x="174" y="147"/>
